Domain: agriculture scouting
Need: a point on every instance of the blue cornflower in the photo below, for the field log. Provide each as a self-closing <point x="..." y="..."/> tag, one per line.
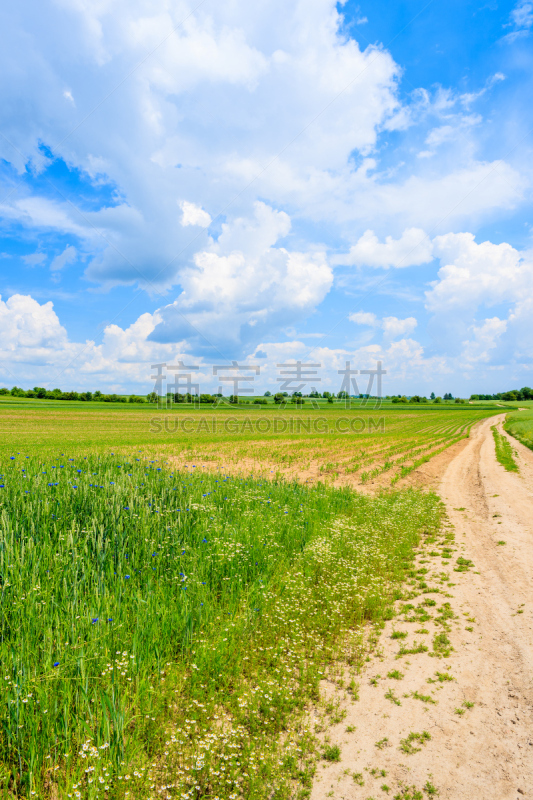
<point x="55" y="664"/>
<point x="126" y="576"/>
<point x="204" y="541"/>
<point x="110" y="619"/>
<point x="94" y="620"/>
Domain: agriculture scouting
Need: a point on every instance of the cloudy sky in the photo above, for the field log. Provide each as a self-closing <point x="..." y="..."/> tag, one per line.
<point x="268" y="181"/>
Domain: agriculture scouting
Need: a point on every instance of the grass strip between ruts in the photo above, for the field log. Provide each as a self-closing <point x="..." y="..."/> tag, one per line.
<point x="504" y="451"/>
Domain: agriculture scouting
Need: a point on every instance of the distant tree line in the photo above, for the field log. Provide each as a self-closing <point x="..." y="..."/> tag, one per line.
<point x="516" y="394"/>
<point x="416" y="398"/>
<point x="41" y="393"/>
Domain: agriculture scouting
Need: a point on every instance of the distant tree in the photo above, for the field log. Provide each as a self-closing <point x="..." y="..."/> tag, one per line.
<point x="438" y="400"/>
<point x="432" y="396"/>
<point x="342" y="395"/>
<point x="279" y="398"/>
<point x="267" y="394"/>
<point x="3" y="390"/>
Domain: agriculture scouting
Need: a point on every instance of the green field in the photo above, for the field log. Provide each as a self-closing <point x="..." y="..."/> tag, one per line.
<point x="520" y="425"/>
<point x="354" y="444"/>
<point x="165" y="627"/>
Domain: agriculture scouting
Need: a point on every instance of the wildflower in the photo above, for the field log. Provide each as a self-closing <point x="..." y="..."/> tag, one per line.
<point x="126" y="576"/>
<point x="94" y="620"/>
<point x="55" y="664"/>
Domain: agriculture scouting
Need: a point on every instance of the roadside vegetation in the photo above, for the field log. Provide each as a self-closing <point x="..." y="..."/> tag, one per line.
<point x="163" y="633"/>
<point x="520" y="425"/>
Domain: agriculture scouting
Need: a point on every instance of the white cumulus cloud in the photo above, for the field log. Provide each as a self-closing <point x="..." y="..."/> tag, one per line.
<point x="242" y="285"/>
<point x="194" y="215"/>
<point x="363" y="318"/>
<point x="411" y="249"/>
<point x="392" y="327"/>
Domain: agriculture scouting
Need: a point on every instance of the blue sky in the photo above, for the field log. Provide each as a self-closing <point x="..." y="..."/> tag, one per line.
<point x="266" y="182"/>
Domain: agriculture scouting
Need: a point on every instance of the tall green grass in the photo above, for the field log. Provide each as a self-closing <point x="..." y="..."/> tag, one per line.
<point x="163" y="629"/>
<point x="520" y="425"/>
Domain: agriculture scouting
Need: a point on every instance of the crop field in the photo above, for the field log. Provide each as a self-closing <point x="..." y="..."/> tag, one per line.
<point x="164" y="630"/>
<point x="345" y="446"/>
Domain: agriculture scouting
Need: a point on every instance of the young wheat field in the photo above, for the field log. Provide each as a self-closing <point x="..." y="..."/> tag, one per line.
<point x="164" y="627"/>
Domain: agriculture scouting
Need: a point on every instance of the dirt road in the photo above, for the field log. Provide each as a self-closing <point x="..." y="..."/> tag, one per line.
<point x="482" y="751"/>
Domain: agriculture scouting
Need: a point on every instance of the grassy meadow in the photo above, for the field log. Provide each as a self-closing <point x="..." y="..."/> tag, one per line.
<point x="165" y="627"/>
<point x="520" y="425"/>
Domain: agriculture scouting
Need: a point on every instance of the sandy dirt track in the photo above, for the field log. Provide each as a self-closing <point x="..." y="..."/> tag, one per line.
<point x="485" y="753"/>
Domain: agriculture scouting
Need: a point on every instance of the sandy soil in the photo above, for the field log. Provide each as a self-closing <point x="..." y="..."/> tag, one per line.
<point x="486" y="753"/>
<point x="428" y="474"/>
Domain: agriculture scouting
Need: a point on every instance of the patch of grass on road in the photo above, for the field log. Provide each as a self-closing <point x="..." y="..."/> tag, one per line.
<point x="504" y="451"/>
